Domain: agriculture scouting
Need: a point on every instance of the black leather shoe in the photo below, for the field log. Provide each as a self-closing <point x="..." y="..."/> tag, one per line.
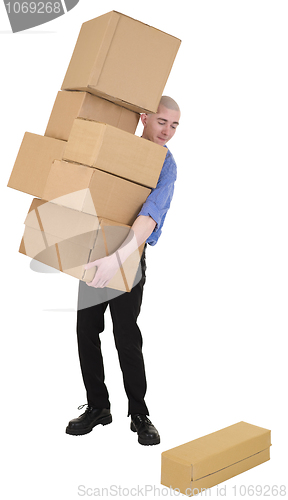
<point x="147" y="433"/>
<point x="88" y="420"/>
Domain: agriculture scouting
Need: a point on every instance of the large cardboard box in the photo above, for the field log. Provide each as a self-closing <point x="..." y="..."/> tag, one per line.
<point x="70" y="105"/>
<point x="66" y="240"/>
<point x="123" y="60"/>
<point x="112" y="150"/>
<point x="94" y="192"/>
<point x="33" y="163"/>
<point x="212" y="459"/>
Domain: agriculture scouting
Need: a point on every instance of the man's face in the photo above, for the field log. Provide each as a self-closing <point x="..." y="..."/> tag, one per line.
<point x="161" y="126"/>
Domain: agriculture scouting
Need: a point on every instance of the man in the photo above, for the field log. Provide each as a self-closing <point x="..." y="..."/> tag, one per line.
<point x="124" y="307"/>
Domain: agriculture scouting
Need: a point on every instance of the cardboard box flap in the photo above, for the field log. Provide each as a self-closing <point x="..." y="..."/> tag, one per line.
<point x="60" y="222"/>
<point x="79" y="66"/>
<point x="106" y="42"/>
<point x="221" y="449"/>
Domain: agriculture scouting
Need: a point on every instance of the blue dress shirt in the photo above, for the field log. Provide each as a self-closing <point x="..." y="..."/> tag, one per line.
<point x="159" y="200"/>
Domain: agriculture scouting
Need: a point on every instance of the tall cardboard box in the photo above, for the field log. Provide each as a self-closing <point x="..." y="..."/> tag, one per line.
<point x="67" y="239"/>
<point x="94" y="192"/>
<point x="70" y="105"/>
<point x="212" y="459"/>
<point x="114" y="151"/>
<point x="33" y="163"/>
<point x="123" y="60"/>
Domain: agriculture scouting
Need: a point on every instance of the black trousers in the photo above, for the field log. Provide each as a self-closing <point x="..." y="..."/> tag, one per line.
<point x="124" y="309"/>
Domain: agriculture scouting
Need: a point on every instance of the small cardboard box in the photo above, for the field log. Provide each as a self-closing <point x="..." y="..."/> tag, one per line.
<point x="117" y="152"/>
<point x="122" y="60"/>
<point x="66" y="240"/>
<point x="212" y="459"/>
<point x="33" y="163"/>
<point x="94" y="192"/>
<point x="71" y="105"/>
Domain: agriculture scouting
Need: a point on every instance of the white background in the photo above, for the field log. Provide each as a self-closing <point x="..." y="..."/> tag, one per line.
<point x="214" y="316"/>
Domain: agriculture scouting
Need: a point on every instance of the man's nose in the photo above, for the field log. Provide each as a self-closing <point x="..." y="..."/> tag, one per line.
<point x="165" y="130"/>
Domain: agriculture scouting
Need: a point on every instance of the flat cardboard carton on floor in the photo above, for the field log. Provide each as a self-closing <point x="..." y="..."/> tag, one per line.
<point x="33" y="163"/>
<point x="114" y="151"/>
<point x="212" y="459"/>
<point x="94" y="192"/>
<point x="122" y="60"/>
<point x="70" y="105"/>
<point x="67" y="239"/>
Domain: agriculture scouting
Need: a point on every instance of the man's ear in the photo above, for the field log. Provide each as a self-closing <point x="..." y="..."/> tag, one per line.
<point x="143" y="118"/>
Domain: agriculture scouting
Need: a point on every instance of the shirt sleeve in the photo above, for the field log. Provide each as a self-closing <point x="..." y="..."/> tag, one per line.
<point x="159" y="200"/>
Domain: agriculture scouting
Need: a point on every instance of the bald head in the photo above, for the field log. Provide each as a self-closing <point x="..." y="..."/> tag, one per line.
<point x="169" y="103"/>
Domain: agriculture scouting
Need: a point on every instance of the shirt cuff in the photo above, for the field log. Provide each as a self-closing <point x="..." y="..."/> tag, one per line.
<point x="149" y="208"/>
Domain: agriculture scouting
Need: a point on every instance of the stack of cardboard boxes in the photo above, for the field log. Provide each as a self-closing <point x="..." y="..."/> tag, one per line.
<point x="90" y="173"/>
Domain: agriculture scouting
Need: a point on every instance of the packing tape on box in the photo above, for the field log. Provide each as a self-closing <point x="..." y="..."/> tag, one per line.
<point x="58" y="257"/>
